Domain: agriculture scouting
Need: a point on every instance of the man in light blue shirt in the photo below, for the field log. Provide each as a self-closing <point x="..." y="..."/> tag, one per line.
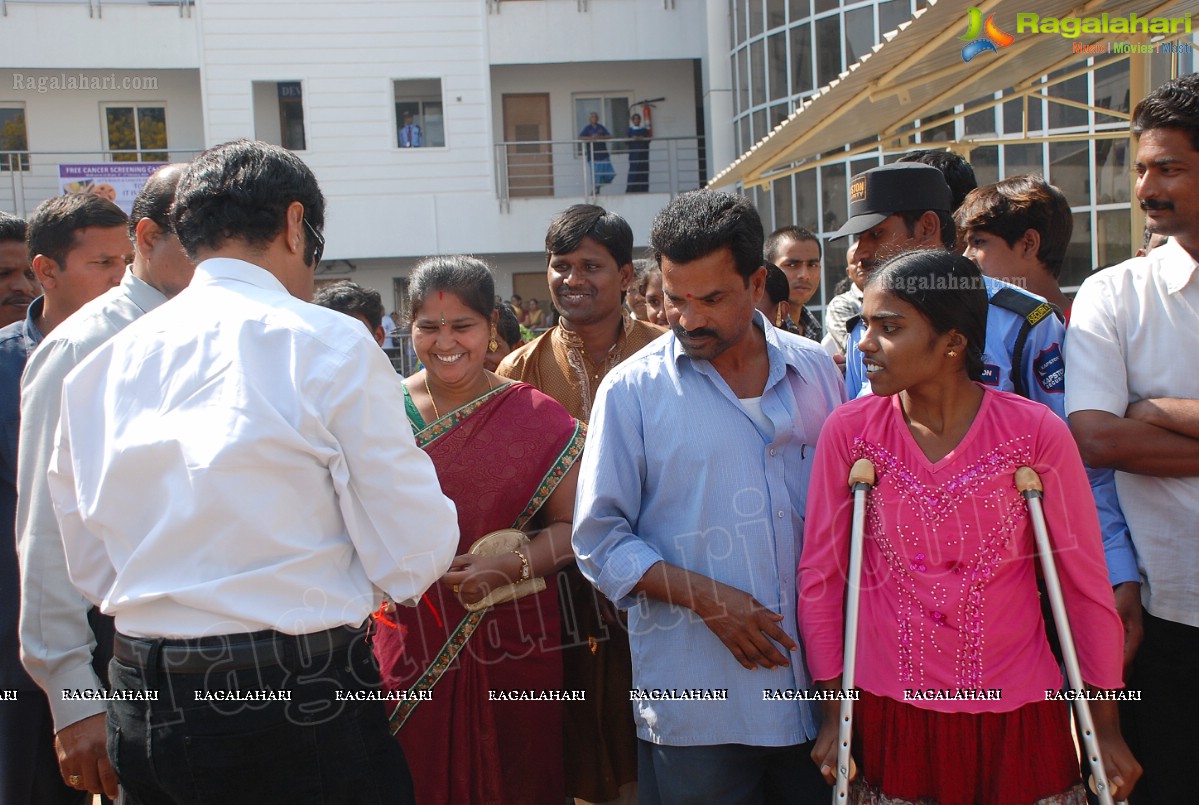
<point x="690" y="515"/>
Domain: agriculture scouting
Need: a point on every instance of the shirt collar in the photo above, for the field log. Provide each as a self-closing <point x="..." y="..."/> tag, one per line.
<point x="1177" y="265"/>
<point x="774" y="352"/>
<point x="216" y="269"/>
<point x="32" y="314"/>
<point x="144" y="295"/>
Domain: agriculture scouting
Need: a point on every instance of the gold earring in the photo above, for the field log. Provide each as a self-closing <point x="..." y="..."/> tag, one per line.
<point x="952" y="353"/>
<point x="493" y="345"/>
<point x="778" y="318"/>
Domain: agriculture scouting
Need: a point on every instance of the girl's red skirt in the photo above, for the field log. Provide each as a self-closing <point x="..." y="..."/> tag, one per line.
<point x="908" y="754"/>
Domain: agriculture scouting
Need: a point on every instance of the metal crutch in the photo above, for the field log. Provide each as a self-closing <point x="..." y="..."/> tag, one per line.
<point x="861" y="479"/>
<point x="1029" y="485"/>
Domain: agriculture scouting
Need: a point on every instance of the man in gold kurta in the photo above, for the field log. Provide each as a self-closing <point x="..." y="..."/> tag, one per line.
<point x="589" y="267"/>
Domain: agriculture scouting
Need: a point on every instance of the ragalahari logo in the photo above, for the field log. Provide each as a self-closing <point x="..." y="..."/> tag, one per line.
<point x="992" y="38"/>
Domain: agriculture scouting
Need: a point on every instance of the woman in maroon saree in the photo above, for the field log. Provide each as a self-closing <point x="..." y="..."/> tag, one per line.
<point x="489" y="730"/>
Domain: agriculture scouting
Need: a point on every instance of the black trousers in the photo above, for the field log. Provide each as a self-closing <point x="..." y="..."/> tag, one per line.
<point x="194" y="745"/>
<point x="1163" y="728"/>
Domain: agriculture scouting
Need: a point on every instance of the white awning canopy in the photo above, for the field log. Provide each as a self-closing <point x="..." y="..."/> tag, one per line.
<point x="918" y="71"/>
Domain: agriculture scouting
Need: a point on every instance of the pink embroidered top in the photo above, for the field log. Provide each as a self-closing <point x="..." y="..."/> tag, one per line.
<point x="949" y="595"/>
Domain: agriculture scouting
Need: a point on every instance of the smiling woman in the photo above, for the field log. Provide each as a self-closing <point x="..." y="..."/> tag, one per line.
<point x="505" y="454"/>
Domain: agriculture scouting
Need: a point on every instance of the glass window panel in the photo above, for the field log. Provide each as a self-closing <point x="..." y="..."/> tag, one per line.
<point x="755" y="17"/>
<point x="736" y="22"/>
<point x="778" y="113"/>
<point x="1077" y="264"/>
<point x="152" y="129"/>
<point x="13" y="137"/>
<point x="1070" y="169"/>
<point x="828" y="56"/>
<point x="760" y="129"/>
<point x="743" y="135"/>
<point x="1115" y="237"/>
<point x="859" y="34"/>
<point x="834" y="264"/>
<point x="757" y="72"/>
<point x="1021" y="159"/>
<point x="833" y="194"/>
<point x="122" y="134"/>
<point x="891" y="13"/>
<point x="1111" y="172"/>
<point x="1111" y="90"/>
<point x="1064" y="116"/>
<point x="806" y="211"/>
<point x="862" y="165"/>
<point x="780" y="190"/>
<point x="799" y="9"/>
<point x="777" y="53"/>
<point x="985" y="161"/>
<point x="825" y="5"/>
<point x="801" y="59"/>
<point x="776" y="13"/>
<point x="980" y="122"/>
<point x="937" y="134"/>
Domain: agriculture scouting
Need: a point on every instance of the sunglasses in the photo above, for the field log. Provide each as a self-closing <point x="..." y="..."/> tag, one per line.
<point x="320" y="244"/>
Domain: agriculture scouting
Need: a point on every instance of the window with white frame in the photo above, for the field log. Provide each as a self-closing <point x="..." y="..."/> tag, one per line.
<point x="13" y="137"/>
<point x="420" y="113"/>
<point x="279" y="113"/>
<point x="131" y="131"/>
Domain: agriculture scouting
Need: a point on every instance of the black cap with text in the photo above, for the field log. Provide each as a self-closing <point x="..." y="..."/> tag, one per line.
<point x="881" y="192"/>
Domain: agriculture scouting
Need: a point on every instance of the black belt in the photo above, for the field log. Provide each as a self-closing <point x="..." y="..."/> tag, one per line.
<point x="232" y="652"/>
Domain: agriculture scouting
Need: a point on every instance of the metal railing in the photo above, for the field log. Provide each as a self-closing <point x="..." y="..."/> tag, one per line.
<point x="539" y="168"/>
<point x="95" y="8"/>
<point x="27" y="178"/>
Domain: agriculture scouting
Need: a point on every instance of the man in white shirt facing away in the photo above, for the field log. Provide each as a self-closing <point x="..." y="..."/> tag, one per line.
<point x="233" y="486"/>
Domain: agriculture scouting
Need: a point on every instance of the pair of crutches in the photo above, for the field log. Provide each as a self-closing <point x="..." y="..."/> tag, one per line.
<point x="861" y="480"/>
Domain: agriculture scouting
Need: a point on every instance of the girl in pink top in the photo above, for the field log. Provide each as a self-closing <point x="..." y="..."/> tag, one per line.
<point x="958" y="684"/>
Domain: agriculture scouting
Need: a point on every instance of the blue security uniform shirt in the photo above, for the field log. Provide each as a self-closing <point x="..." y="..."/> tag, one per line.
<point x="1044" y="371"/>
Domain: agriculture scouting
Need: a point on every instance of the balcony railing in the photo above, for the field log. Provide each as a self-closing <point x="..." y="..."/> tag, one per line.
<point x="533" y="168"/>
<point x="95" y="8"/>
<point x="27" y="178"/>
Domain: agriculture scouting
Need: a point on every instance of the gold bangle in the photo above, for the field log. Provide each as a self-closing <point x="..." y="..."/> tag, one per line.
<point x="525" y="571"/>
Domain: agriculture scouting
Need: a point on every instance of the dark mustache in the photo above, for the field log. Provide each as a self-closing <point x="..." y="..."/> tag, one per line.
<point x="702" y="332"/>
<point x="1154" y="204"/>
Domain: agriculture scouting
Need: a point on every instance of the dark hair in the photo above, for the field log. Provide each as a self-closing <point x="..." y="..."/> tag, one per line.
<point x="352" y="299"/>
<point x="241" y="191"/>
<point x="700" y="222"/>
<point x="1009" y="208"/>
<point x="569" y="227"/>
<point x="654" y="270"/>
<point x="949" y="231"/>
<point x="508" y="327"/>
<point x="53" y="225"/>
<point x="795" y="233"/>
<point x="156" y="197"/>
<point x="641" y="267"/>
<point x="467" y="277"/>
<point x="778" y="287"/>
<point x="947" y="289"/>
<point x="958" y="173"/>
<point x="1173" y="105"/>
<point x="12" y="228"/>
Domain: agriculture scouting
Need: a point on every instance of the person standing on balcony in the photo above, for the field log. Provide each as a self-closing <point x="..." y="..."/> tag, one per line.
<point x="410" y="133"/>
<point x="599" y="164"/>
<point x="639" y="137"/>
<point x="590" y="265"/>
<point x="78" y="248"/>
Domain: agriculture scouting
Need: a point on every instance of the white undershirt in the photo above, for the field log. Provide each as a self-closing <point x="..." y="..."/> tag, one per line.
<point x="753" y="407"/>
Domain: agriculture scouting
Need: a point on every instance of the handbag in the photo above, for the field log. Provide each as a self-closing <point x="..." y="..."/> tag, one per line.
<point x="506" y="540"/>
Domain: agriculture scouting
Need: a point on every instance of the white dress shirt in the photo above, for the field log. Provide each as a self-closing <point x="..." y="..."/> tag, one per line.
<point x="1132" y="330"/>
<point x="239" y="460"/>
<point x="56" y="639"/>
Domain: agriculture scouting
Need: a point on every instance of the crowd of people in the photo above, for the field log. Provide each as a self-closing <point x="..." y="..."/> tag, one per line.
<point x="607" y="564"/>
